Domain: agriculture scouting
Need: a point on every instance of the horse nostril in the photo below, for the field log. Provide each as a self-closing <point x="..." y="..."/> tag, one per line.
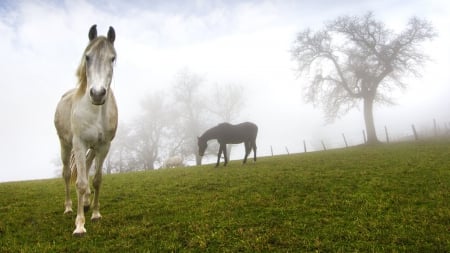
<point x="97" y="93"/>
<point x="102" y="92"/>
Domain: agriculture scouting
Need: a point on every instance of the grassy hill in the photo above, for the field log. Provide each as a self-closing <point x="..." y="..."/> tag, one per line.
<point x="370" y="199"/>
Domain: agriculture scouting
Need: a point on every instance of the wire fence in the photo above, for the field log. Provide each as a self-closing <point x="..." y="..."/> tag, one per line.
<point x="434" y="130"/>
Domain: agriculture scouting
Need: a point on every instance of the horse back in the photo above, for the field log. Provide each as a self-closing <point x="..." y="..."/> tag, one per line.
<point x="248" y="128"/>
<point x="234" y="134"/>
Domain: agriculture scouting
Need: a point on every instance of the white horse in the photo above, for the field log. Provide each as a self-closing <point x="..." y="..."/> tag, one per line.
<point x="86" y="123"/>
<point x="174" y="161"/>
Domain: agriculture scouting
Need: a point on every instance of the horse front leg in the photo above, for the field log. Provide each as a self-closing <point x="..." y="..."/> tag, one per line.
<point x="100" y="158"/>
<point x="82" y="184"/>
<point x="225" y="155"/>
<point x="90" y="154"/>
<point x="219" y="155"/>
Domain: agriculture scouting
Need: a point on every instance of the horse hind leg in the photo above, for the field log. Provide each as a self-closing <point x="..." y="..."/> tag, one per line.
<point x="66" y="173"/>
<point x="247" y="151"/>
<point x="254" y="150"/>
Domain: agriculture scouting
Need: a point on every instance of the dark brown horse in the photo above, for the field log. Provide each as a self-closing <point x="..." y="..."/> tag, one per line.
<point x="226" y="133"/>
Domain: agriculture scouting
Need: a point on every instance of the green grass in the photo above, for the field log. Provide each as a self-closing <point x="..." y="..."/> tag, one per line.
<point x="386" y="198"/>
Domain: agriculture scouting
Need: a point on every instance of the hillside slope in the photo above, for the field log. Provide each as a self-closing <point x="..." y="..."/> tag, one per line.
<point x="383" y="198"/>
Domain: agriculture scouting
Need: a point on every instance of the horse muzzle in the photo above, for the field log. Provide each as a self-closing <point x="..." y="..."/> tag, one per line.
<point x="98" y="96"/>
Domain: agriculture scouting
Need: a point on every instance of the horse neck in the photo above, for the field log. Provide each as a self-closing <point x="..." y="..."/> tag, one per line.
<point x="82" y="78"/>
<point x="210" y="134"/>
<point x="99" y="110"/>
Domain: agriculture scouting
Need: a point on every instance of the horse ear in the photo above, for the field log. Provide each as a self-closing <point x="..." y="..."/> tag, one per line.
<point x="111" y="34"/>
<point x="93" y="32"/>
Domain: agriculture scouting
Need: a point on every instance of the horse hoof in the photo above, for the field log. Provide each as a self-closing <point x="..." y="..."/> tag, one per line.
<point x="86" y="208"/>
<point x="96" y="219"/>
<point x="68" y="211"/>
<point x="78" y="234"/>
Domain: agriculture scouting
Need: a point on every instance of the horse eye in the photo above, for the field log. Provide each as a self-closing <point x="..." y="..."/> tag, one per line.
<point x="87" y="58"/>
<point x="113" y="59"/>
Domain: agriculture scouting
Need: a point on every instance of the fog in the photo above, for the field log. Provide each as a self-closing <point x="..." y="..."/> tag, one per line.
<point x="241" y="42"/>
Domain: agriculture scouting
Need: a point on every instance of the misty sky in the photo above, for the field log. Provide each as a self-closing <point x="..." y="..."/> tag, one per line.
<point x="243" y="42"/>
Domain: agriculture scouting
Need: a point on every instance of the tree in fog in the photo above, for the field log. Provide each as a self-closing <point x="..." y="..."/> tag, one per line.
<point x="227" y="101"/>
<point x="138" y="144"/>
<point x="119" y="157"/>
<point x="357" y="58"/>
<point x="150" y="128"/>
<point x="190" y="111"/>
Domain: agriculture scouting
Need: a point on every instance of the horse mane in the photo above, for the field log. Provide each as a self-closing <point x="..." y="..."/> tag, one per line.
<point x="99" y="43"/>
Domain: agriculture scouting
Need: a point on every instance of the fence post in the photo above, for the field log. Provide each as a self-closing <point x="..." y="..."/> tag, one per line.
<point x="271" y="150"/>
<point x="416" y="137"/>
<point x="287" y="150"/>
<point x="304" y="145"/>
<point x="323" y="145"/>
<point x="345" y="140"/>
<point x="387" y="135"/>
<point x="435" y="128"/>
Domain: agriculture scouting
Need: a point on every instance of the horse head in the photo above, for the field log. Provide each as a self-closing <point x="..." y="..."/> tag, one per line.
<point x="202" y="145"/>
<point x="99" y="58"/>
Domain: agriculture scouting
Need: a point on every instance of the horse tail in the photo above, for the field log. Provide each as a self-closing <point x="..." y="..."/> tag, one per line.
<point x="73" y="168"/>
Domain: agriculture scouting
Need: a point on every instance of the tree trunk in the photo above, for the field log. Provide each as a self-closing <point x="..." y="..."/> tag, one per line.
<point x="198" y="159"/>
<point x="229" y="147"/>
<point x="368" y="119"/>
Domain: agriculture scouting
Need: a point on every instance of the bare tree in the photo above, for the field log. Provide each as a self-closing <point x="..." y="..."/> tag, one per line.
<point x="357" y="58"/>
<point x="150" y="128"/>
<point x="227" y="101"/>
<point x="190" y="110"/>
<point x="119" y="157"/>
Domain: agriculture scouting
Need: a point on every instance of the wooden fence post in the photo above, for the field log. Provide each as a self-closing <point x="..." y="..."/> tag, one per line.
<point x="271" y="150"/>
<point x="387" y="135"/>
<point x="323" y="145"/>
<point x="287" y="150"/>
<point x="435" y="128"/>
<point x="345" y="140"/>
<point x="304" y="145"/>
<point x="416" y="137"/>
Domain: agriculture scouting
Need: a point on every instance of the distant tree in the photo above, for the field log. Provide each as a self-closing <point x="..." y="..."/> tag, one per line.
<point x="227" y="101"/>
<point x="357" y="58"/>
<point x="150" y="128"/>
<point x="190" y="111"/>
<point x="118" y="158"/>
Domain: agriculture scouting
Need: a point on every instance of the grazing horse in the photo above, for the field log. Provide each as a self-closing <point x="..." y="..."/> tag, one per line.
<point x="226" y="133"/>
<point x="86" y="123"/>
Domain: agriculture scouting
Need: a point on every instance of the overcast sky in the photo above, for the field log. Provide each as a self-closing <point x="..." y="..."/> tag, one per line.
<point x="245" y="42"/>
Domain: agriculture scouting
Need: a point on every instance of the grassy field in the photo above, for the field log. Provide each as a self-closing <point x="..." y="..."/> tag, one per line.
<point x="386" y="198"/>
